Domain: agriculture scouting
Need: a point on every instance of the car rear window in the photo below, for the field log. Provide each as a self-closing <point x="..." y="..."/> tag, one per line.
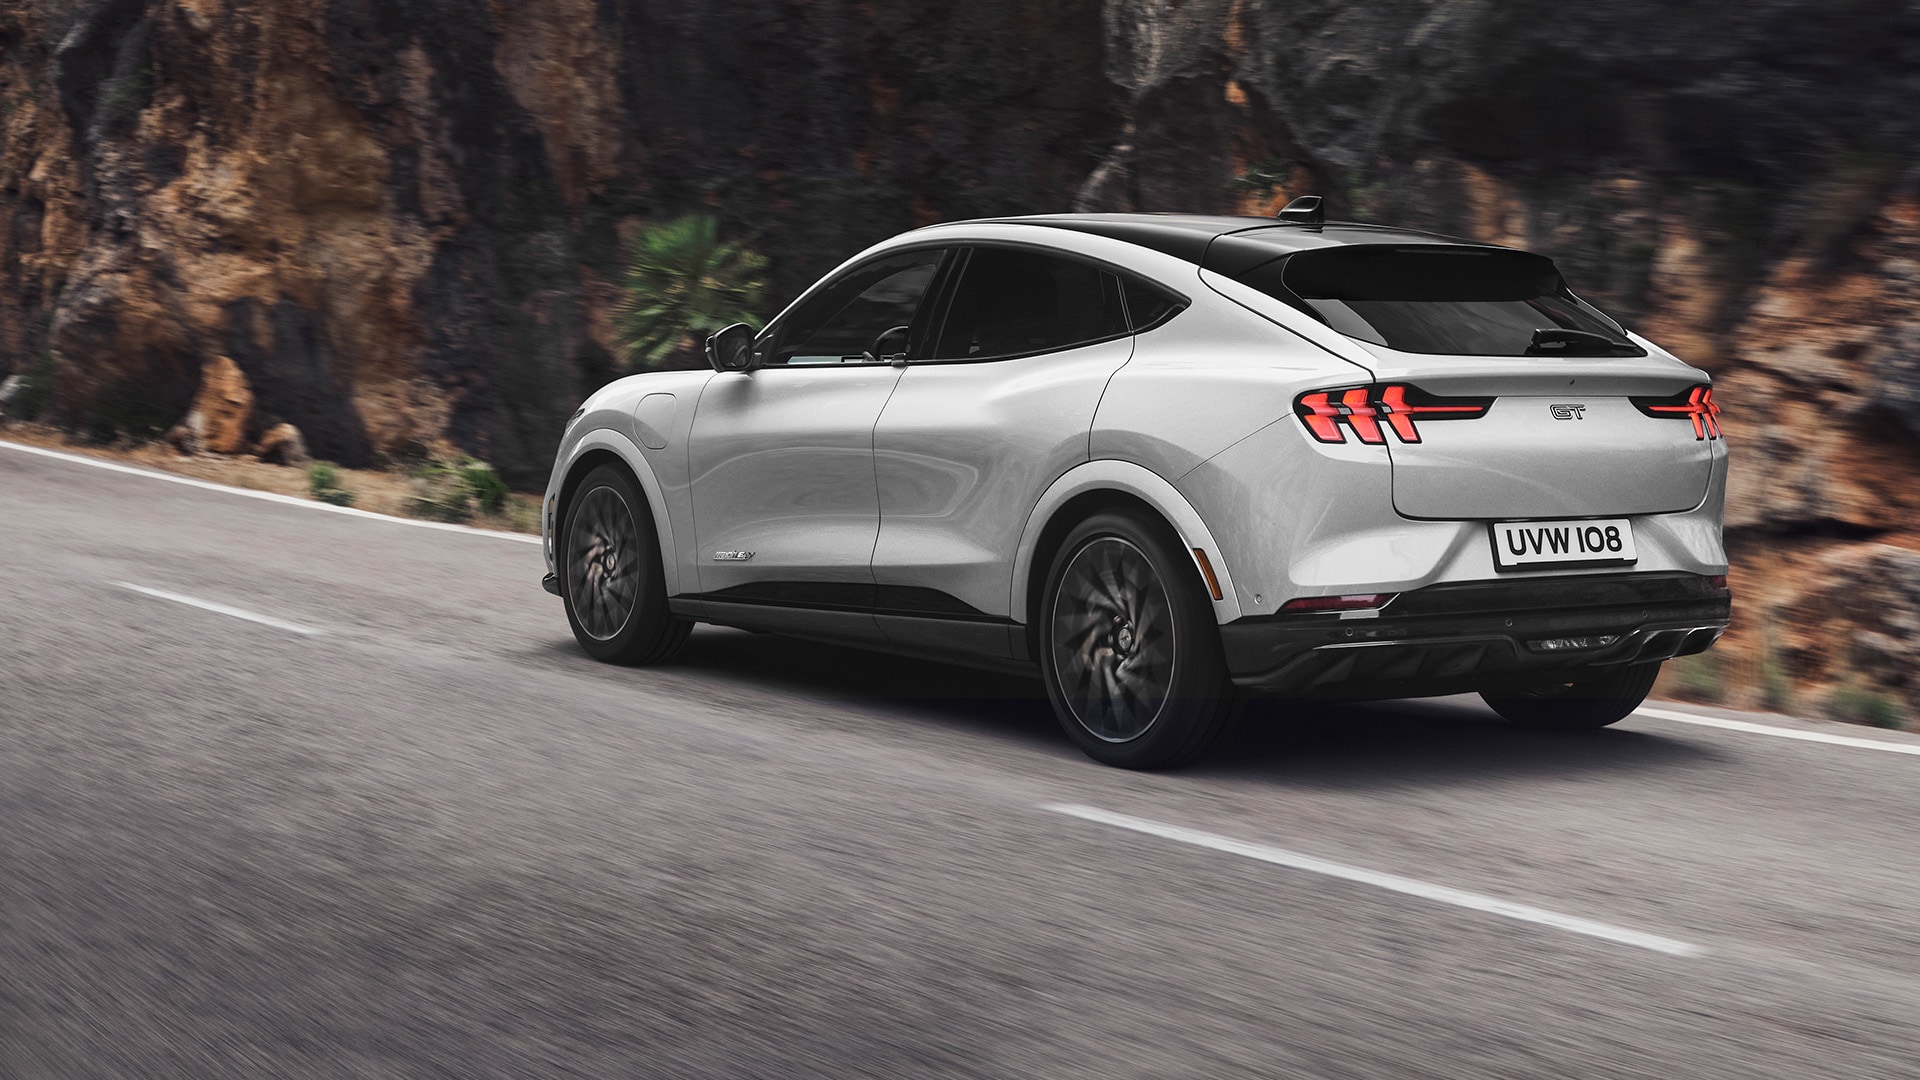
<point x="1438" y="298"/>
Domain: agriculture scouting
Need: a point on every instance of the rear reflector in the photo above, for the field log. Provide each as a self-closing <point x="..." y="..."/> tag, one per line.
<point x="1362" y="408"/>
<point x="1358" y="602"/>
<point x="1206" y="571"/>
<point x="1718" y="581"/>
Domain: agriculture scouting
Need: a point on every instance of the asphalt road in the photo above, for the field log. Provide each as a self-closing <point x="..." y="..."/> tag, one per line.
<point x="411" y="831"/>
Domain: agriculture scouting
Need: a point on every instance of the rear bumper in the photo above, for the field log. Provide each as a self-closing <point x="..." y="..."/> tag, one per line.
<point x="1475" y="635"/>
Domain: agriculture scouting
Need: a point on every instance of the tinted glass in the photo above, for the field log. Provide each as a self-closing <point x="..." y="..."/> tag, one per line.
<point x="1443" y="299"/>
<point x="1013" y="303"/>
<point x="1147" y="306"/>
<point x="841" y="322"/>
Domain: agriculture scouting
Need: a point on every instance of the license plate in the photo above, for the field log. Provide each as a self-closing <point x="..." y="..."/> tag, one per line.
<point x="1536" y="545"/>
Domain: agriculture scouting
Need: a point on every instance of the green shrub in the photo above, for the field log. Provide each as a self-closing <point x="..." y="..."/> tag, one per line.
<point x="1862" y="705"/>
<point x="456" y="490"/>
<point x="1699" y="677"/>
<point x="323" y="482"/>
<point x="482" y="484"/>
<point x="1776" y="683"/>
<point x="681" y="285"/>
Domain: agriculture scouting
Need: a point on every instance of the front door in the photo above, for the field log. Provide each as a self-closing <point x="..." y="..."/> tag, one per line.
<point x="996" y="409"/>
<point x="782" y="457"/>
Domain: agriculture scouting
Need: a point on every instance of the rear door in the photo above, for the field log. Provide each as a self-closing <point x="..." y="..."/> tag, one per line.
<point x="1579" y="419"/>
<point x="782" y="457"/>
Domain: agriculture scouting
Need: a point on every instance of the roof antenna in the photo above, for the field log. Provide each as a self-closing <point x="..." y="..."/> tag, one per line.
<point x="1305" y="210"/>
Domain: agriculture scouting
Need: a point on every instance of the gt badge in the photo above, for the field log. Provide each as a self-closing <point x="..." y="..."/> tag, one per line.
<point x="1568" y="412"/>
<point x="732" y="556"/>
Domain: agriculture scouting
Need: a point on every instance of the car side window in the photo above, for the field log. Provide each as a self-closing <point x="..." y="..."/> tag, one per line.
<point x="1148" y="305"/>
<point x="840" y="324"/>
<point x="1011" y="302"/>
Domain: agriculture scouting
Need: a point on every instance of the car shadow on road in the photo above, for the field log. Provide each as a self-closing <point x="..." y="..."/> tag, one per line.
<point x="1345" y="745"/>
<point x="1424" y="742"/>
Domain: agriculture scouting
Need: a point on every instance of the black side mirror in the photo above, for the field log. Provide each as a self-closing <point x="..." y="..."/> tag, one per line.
<point x="878" y="354"/>
<point x="731" y="348"/>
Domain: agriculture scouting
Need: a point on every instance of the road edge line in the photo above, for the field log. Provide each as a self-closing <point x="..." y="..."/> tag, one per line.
<point x="1729" y="724"/>
<point x="268" y="496"/>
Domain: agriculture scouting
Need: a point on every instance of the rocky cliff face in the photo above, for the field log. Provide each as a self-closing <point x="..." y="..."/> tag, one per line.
<point x="401" y="219"/>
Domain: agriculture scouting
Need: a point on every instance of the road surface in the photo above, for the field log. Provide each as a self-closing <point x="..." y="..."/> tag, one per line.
<point x="292" y="793"/>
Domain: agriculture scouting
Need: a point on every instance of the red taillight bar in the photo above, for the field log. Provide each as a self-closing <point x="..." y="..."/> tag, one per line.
<point x="1361" y="409"/>
<point x="1694" y="403"/>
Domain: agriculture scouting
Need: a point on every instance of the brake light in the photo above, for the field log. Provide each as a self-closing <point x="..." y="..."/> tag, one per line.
<point x="1361" y="409"/>
<point x="1359" y="602"/>
<point x="1694" y="403"/>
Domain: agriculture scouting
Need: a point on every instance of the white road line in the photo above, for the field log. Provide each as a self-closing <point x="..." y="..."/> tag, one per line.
<point x="268" y="496"/>
<point x="1390" y="882"/>
<point x="208" y="605"/>
<point x="1781" y="732"/>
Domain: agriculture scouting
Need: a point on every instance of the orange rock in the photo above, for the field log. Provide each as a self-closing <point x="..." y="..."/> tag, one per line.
<point x="282" y="444"/>
<point x="223" y="409"/>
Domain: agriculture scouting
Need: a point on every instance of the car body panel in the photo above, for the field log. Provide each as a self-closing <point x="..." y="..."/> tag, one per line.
<point x="942" y="478"/>
<point x="782" y="473"/>
<point x="1139" y="482"/>
<point x="959" y="452"/>
<point x="610" y="421"/>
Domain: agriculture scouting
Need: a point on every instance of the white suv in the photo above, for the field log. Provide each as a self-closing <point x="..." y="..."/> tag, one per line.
<point x="1161" y="457"/>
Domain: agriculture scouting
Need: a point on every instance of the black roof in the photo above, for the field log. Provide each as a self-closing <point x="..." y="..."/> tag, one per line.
<point x="1230" y="245"/>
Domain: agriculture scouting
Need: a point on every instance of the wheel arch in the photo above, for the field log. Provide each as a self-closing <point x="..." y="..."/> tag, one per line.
<point x="604" y="446"/>
<point x="1099" y="485"/>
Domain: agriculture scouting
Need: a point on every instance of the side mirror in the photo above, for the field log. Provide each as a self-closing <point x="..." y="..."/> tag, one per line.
<point x="878" y="354"/>
<point x="731" y="348"/>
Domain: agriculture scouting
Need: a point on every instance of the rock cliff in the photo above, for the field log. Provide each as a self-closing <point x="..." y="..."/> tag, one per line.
<point x="401" y="219"/>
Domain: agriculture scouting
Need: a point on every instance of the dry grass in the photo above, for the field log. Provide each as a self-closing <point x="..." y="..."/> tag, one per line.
<point x="383" y="491"/>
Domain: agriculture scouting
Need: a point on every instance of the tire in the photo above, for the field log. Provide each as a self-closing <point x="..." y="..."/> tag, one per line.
<point x="611" y="576"/>
<point x="1581" y="702"/>
<point x="1129" y="646"/>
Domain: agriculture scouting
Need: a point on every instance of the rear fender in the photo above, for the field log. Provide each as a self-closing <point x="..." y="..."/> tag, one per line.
<point x="1143" y="484"/>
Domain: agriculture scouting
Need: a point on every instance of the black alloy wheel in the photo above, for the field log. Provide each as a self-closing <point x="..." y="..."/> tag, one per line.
<point x="611" y="574"/>
<point x="1130" y="648"/>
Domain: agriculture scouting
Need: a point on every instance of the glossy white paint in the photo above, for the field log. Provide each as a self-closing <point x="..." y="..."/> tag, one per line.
<point x="944" y="476"/>
<point x="959" y="452"/>
<point x="609" y="421"/>
<point x="605" y="438"/>
<point x="1136" y="480"/>
<point x="782" y="466"/>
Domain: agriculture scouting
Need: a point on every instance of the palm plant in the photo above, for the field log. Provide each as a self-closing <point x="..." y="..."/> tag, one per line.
<point x="682" y="284"/>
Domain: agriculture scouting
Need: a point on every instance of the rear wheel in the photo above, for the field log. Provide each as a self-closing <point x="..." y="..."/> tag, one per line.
<point x="1588" y="699"/>
<point x="611" y="576"/>
<point x="1129" y="646"/>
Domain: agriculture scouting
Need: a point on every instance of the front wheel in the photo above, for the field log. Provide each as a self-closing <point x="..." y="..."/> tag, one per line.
<point x="611" y="576"/>
<point x="1578" y="702"/>
<point x="1129" y="646"/>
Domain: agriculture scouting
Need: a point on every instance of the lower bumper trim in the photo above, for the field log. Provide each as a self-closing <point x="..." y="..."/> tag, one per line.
<point x="1471" y="646"/>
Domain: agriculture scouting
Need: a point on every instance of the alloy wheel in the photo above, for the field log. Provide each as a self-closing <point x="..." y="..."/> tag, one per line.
<point x="1113" y="642"/>
<point x="603" y="563"/>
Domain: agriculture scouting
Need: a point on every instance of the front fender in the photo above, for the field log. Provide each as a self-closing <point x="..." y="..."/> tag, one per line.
<point x="1143" y="484"/>
<point x="606" y="439"/>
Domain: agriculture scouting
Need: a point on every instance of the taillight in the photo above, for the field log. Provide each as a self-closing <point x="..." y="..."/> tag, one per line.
<point x="1695" y="403"/>
<point x="1357" y="602"/>
<point x="1362" y="408"/>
